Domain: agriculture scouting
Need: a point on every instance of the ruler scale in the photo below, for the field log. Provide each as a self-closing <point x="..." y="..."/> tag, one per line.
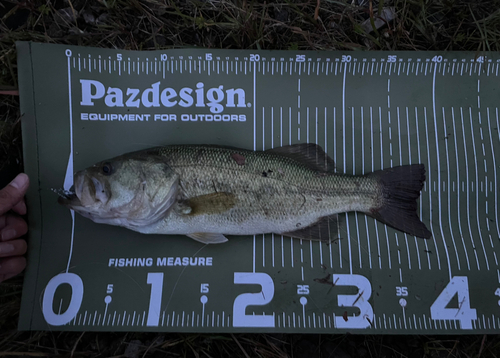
<point x="368" y="111"/>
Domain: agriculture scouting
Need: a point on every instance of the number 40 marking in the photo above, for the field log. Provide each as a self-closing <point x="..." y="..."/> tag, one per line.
<point x="458" y="285"/>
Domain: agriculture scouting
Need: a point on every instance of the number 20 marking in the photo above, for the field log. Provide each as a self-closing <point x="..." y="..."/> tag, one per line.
<point x="240" y="318"/>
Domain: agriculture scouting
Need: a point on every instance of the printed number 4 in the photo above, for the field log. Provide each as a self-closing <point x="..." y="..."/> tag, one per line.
<point x="459" y="286"/>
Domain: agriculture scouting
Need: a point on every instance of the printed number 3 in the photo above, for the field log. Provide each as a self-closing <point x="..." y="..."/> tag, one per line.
<point x="358" y="300"/>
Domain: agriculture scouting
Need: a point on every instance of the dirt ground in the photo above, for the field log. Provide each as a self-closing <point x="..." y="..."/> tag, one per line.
<point x="356" y="25"/>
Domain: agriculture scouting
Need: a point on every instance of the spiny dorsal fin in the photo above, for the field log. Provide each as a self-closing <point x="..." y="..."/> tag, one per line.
<point x="208" y="237"/>
<point x="309" y="154"/>
<point x="213" y="203"/>
<point x="322" y="230"/>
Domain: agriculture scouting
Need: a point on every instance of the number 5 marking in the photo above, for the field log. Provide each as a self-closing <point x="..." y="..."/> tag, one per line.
<point x="359" y="300"/>
<point x="240" y="319"/>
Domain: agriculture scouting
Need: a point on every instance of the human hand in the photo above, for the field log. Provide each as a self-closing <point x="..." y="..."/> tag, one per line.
<point x="12" y="227"/>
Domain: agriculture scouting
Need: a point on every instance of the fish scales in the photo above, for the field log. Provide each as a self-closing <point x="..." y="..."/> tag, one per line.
<point x="273" y="193"/>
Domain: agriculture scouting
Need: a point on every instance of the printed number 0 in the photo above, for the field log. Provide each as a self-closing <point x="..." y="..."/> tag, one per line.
<point x="240" y="319"/>
<point x="76" y="283"/>
<point x="358" y="300"/>
<point x="458" y="285"/>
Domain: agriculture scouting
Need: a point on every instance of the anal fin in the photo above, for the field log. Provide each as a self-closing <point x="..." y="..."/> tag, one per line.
<point x="321" y="230"/>
<point x="208" y="237"/>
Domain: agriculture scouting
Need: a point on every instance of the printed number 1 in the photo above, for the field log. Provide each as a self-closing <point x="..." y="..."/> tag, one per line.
<point x="155" y="279"/>
<point x="459" y="286"/>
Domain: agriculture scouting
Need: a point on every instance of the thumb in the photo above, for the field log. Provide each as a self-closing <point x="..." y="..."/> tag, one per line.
<point x="13" y="193"/>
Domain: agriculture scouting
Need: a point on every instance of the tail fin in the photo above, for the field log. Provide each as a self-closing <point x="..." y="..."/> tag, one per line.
<point x="401" y="188"/>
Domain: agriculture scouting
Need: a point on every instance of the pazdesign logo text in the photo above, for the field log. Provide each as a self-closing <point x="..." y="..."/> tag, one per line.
<point x="215" y="98"/>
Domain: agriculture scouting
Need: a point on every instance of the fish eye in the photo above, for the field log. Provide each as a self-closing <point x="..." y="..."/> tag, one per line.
<point x="107" y="168"/>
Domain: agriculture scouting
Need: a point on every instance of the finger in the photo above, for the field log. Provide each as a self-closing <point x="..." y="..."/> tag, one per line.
<point x="13" y="248"/>
<point x="11" y="227"/>
<point x="11" y="267"/>
<point x="13" y="193"/>
<point x="20" y="207"/>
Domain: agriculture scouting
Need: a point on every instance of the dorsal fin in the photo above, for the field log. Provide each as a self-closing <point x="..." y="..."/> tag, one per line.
<point x="309" y="154"/>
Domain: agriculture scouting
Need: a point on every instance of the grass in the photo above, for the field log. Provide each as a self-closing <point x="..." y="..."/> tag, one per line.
<point x="419" y="25"/>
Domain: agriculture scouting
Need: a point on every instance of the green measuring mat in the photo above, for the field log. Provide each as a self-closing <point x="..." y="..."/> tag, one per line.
<point x="367" y="110"/>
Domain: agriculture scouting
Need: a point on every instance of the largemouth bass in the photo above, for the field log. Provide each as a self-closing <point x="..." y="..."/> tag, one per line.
<point x="207" y="192"/>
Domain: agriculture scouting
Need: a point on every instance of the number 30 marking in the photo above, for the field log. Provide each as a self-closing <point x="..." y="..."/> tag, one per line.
<point x="358" y="300"/>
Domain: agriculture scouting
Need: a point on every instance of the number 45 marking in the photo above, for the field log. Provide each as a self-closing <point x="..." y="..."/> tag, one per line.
<point x="459" y="286"/>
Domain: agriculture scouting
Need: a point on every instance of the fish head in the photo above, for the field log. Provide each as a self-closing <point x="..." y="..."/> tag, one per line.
<point x="133" y="191"/>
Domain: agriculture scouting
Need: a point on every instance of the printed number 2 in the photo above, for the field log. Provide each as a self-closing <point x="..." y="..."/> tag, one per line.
<point x="458" y="285"/>
<point x="358" y="300"/>
<point x="240" y="319"/>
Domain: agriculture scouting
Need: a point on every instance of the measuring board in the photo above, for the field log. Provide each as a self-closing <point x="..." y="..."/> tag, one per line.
<point x="367" y="110"/>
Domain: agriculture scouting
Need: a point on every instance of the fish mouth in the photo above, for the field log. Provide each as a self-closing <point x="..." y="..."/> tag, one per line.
<point x="73" y="197"/>
<point x="68" y="198"/>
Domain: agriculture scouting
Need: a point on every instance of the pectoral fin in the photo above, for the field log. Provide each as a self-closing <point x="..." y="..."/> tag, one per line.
<point x="208" y="238"/>
<point x="214" y="203"/>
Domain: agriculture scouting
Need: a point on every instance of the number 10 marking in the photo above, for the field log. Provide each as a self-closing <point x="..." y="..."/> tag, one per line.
<point x="155" y="279"/>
